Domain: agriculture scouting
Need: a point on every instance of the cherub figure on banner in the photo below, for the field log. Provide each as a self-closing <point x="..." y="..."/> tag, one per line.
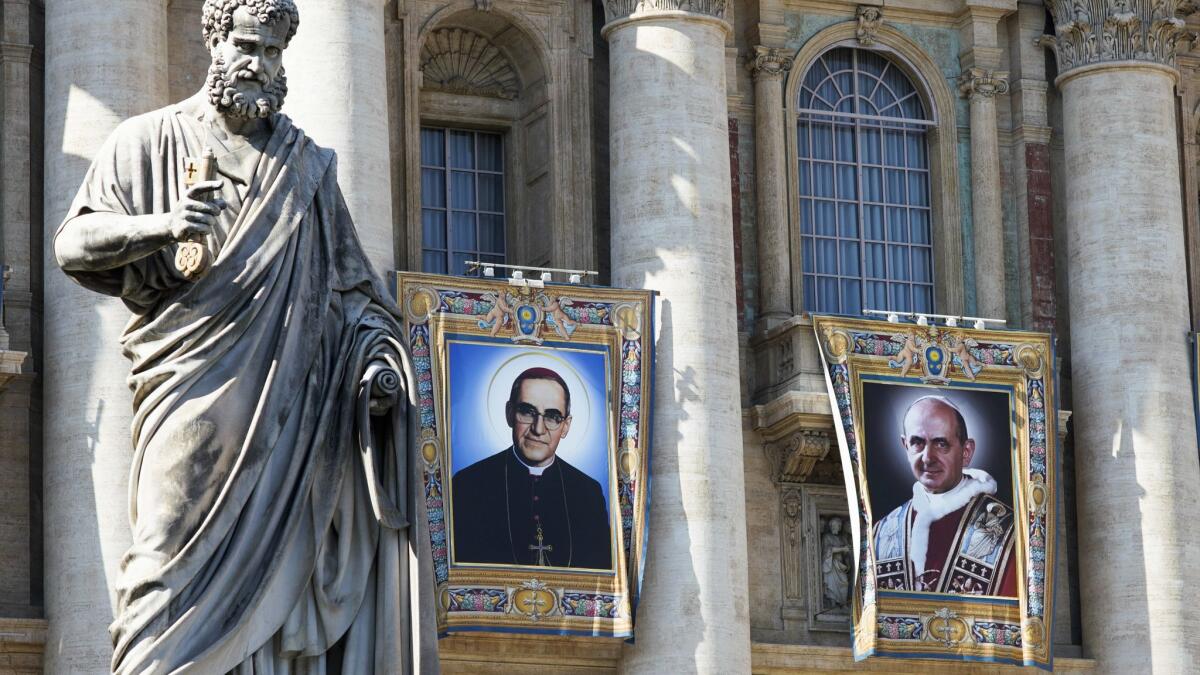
<point x="500" y="314"/>
<point x="563" y="324"/>
<point x="909" y="354"/>
<point x="960" y="348"/>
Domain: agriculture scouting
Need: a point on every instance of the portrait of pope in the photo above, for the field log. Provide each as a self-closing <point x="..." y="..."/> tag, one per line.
<point x="955" y="534"/>
<point x="525" y="504"/>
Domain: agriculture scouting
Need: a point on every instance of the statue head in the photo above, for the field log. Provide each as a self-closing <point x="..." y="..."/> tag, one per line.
<point x="246" y="39"/>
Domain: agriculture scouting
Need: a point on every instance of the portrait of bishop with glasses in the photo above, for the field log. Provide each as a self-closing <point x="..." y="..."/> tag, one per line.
<point x="523" y="505"/>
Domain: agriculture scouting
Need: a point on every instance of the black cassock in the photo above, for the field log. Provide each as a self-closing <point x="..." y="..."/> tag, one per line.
<point x="499" y="506"/>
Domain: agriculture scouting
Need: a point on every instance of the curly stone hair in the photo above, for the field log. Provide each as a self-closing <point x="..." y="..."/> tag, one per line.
<point x="218" y="15"/>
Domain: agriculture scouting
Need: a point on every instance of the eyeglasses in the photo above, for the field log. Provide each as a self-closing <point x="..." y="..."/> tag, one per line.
<point x="527" y="414"/>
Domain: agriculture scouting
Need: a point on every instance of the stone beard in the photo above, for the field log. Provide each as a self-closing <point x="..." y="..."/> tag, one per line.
<point x="225" y="91"/>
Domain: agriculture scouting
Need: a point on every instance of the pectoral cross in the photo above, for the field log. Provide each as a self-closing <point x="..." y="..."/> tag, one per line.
<point x="541" y="549"/>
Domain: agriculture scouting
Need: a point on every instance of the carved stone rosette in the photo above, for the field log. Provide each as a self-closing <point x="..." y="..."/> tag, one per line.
<point x="1098" y="31"/>
<point x="980" y="83"/>
<point x="620" y="9"/>
<point x="769" y="63"/>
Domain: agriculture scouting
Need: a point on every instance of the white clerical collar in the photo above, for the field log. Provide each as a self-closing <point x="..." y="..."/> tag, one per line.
<point x="533" y="470"/>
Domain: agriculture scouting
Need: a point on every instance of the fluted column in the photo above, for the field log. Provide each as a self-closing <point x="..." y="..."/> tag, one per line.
<point x="981" y="87"/>
<point x="337" y="84"/>
<point x="768" y="68"/>
<point x="1138" y="478"/>
<point x="672" y="232"/>
<point x="105" y="62"/>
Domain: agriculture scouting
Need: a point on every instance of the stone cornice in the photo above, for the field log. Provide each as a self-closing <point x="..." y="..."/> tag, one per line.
<point x="622" y="9"/>
<point x="1100" y="31"/>
<point x="980" y="83"/>
<point x="769" y="63"/>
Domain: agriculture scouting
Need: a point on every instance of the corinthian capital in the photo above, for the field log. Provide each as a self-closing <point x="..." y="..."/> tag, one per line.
<point x="1098" y="31"/>
<point x="980" y="83"/>
<point x="769" y="63"/>
<point x="619" y="9"/>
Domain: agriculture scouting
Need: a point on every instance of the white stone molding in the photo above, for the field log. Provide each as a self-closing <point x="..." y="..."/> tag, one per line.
<point x="460" y="61"/>
<point x="937" y="97"/>
<point x="977" y="82"/>
<point x="1099" y="31"/>
<point x="869" y="18"/>
<point x="621" y="9"/>
<point x="769" y="63"/>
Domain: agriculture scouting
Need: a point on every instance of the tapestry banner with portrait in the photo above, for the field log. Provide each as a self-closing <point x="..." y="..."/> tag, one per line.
<point x="949" y="453"/>
<point x="533" y="422"/>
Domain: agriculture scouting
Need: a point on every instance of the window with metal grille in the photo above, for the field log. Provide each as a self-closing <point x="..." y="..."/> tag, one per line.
<point x="865" y="217"/>
<point x="462" y="199"/>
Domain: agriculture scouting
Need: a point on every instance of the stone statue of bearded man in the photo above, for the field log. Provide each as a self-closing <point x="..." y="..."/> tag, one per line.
<point x="278" y="524"/>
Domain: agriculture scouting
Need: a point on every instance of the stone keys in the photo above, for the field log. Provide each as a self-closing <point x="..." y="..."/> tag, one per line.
<point x="193" y="257"/>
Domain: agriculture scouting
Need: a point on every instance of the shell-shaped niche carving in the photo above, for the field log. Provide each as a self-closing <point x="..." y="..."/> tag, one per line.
<point x="464" y="62"/>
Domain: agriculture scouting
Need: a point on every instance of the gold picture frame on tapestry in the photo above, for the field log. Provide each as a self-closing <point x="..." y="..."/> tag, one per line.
<point x="1000" y="384"/>
<point x="473" y="342"/>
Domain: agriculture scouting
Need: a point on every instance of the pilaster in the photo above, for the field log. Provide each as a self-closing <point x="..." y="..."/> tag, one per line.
<point x="981" y="82"/>
<point x="769" y="66"/>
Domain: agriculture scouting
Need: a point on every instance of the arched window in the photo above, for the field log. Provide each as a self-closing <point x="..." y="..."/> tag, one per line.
<point x="865" y="216"/>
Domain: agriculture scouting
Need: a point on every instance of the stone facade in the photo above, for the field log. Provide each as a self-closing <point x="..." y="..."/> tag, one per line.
<point x="657" y="143"/>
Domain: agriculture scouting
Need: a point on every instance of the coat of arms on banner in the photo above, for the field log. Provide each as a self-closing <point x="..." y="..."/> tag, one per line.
<point x="948" y="438"/>
<point x="533" y="423"/>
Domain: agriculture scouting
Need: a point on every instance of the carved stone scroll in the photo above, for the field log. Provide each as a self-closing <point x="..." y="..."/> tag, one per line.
<point x="769" y="63"/>
<point x="797" y="454"/>
<point x="977" y="82"/>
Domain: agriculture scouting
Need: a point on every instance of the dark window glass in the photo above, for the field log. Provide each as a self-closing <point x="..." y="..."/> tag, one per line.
<point x="865" y="217"/>
<point x="462" y="199"/>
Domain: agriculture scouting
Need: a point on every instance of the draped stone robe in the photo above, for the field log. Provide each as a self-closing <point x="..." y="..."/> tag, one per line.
<point x="277" y="527"/>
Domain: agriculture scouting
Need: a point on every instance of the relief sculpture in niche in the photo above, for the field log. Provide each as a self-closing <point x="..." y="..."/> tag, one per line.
<point x="836" y="563"/>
